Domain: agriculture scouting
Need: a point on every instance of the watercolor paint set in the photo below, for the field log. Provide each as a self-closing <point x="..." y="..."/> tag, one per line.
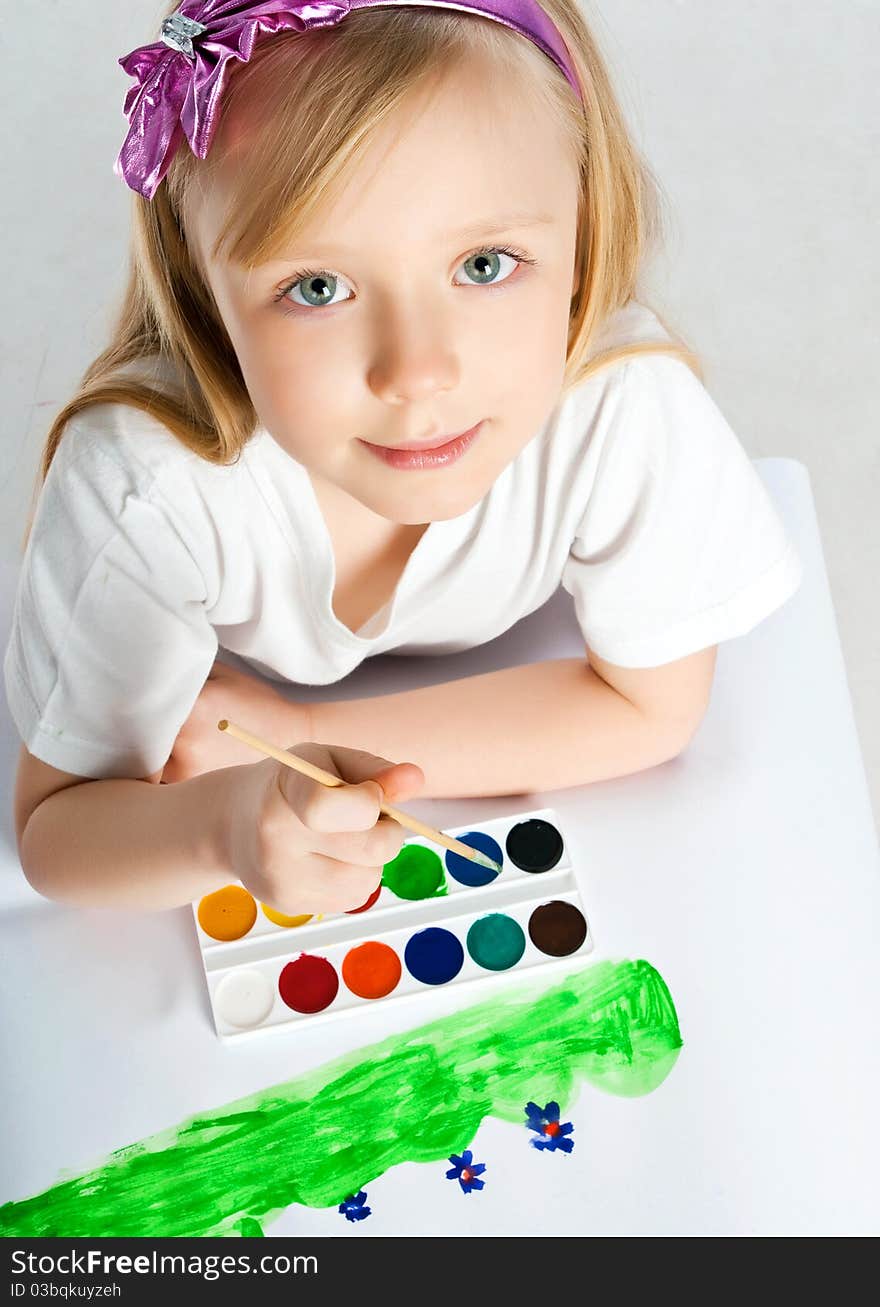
<point x="436" y="920"/>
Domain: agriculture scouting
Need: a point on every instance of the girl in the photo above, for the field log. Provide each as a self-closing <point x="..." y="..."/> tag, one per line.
<point x="380" y="382"/>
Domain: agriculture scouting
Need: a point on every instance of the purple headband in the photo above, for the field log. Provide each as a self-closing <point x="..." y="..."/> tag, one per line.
<point x="179" y="79"/>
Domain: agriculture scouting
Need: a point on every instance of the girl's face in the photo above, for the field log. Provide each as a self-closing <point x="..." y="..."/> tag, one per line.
<point x="402" y="317"/>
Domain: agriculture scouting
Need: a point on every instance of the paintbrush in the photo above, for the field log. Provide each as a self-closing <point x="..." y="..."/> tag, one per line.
<point x="327" y="778"/>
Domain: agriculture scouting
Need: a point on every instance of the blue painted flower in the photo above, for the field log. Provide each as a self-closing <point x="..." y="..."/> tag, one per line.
<point x="353" y="1208"/>
<point x="465" y="1170"/>
<point x="545" y="1122"/>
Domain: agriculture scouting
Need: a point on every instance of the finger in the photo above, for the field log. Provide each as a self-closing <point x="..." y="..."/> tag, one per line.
<point x="352" y="765"/>
<point x="330" y="885"/>
<point x="371" y="848"/>
<point x="321" y="808"/>
<point x="401" y="781"/>
<point x="350" y="807"/>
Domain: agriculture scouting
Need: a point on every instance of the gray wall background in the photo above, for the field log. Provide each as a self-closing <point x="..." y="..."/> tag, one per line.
<point x="760" y="120"/>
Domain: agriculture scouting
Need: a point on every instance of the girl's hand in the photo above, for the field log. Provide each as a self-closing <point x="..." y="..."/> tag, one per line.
<point x="244" y="699"/>
<point x="301" y="846"/>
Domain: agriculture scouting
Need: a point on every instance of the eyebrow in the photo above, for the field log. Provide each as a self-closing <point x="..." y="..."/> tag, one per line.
<point x="473" y="231"/>
<point x="502" y="224"/>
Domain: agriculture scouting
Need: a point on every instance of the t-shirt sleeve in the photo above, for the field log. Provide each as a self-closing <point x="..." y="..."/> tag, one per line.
<point x="679" y="546"/>
<point x="110" y="641"/>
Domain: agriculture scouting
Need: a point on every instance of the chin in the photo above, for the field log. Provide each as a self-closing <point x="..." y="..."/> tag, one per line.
<point x="430" y="505"/>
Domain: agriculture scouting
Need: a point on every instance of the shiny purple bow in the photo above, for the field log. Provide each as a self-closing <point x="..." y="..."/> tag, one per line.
<point x="180" y="92"/>
<point x="180" y="78"/>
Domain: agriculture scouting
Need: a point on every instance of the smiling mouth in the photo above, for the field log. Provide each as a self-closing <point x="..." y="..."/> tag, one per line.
<point x="429" y="443"/>
<point x="438" y="451"/>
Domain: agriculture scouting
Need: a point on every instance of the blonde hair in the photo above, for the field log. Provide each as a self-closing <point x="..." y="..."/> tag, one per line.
<point x="320" y="96"/>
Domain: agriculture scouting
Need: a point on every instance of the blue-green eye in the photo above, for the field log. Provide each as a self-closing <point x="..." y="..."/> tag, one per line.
<point x="318" y="287"/>
<point x="485" y="264"/>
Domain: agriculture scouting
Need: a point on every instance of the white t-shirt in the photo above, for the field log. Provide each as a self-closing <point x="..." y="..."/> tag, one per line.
<point x="635" y="495"/>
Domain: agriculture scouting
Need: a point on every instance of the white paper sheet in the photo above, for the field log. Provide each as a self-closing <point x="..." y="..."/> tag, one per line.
<point x="745" y="871"/>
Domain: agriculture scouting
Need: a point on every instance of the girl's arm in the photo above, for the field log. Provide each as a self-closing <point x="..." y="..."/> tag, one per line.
<point x="296" y="844"/>
<point x="119" y="843"/>
<point x="541" y="726"/>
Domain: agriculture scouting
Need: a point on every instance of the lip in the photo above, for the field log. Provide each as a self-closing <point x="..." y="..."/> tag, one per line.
<point x="423" y="456"/>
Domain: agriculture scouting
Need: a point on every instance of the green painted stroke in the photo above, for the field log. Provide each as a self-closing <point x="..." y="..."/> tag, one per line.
<point x="416" y="1097"/>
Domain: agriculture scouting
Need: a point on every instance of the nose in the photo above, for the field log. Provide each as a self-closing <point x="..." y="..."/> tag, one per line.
<point x="414" y="358"/>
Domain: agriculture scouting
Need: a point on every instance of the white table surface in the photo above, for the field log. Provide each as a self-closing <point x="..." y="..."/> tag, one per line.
<point x="746" y="871"/>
